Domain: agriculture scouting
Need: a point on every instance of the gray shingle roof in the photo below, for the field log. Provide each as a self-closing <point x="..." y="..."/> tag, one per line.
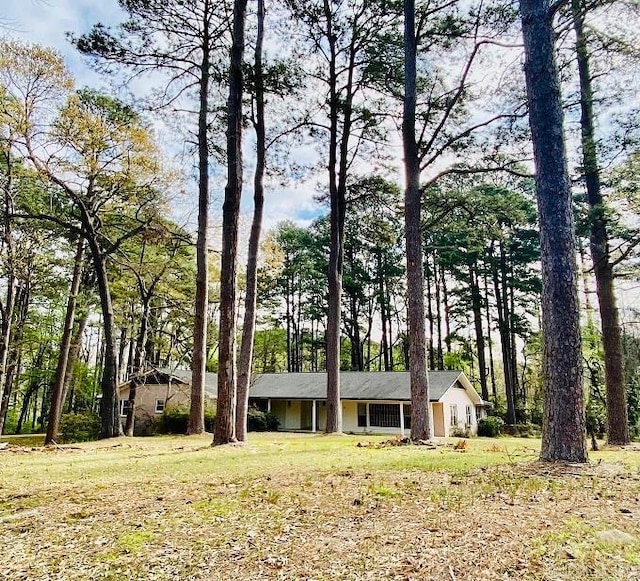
<point x="354" y="385"/>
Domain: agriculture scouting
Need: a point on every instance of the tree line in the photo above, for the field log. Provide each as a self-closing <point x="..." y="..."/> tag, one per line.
<point x="446" y="275"/>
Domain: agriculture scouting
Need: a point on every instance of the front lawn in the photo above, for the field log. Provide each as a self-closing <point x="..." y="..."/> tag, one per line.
<point x="302" y="506"/>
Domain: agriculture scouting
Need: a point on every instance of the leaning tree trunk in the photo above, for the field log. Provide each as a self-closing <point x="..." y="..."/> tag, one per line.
<point x="198" y="371"/>
<point x="224" y="432"/>
<point x="420" y="424"/>
<point x="248" y="329"/>
<point x="74" y="352"/>
<point x="563" y="428"/>
<point x="65" y="346"/>
<point x="617" y="420"/>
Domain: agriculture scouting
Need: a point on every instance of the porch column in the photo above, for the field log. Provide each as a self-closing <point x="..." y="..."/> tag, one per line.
<point x="313" y="416"/>
<point x="368" y="417"/>
<point x="402" y="418"/>
<point x="268" y="405"/>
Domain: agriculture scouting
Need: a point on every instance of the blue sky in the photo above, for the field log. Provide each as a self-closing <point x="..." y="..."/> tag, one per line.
<point x="48" y="21"/>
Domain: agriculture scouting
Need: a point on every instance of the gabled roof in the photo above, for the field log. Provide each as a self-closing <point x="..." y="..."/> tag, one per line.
<point x="354" y="385"/>
<point x="156" y="376"/>
<point x="358" y="385"/>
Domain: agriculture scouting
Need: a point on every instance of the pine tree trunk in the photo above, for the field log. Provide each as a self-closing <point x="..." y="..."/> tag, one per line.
<point x="224" y="432"/>
<point x="504" y="345"/>
<point x="436" y="281"/>
<point x="248" y="328"/>
<point x="420" y="421"/>
<point x="65" y="346"/>
<point x="447" y="321"/>
<point x="74" y="352"/>
<point x="199" y="363"/>
<point x="5" y="339"/>
<point x="492" y="373"/>
<point x="476" y="307"/>
<point x="563" y="426"/>
<point x="138" y="364"/>
<point x="110" y="425"/>
<point x="432" y="353"/>
<point x="336" y="237"/>
<point x="617" y="415"/>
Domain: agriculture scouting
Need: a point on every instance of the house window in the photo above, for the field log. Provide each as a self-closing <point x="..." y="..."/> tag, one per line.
<point x="469" y="416"/>
<point x="384" y="415"/>
<point x="362" y="415"/>
<point x="159" y="406"/>
<point x="453" y="412"/>
<point x="125" y="404"/>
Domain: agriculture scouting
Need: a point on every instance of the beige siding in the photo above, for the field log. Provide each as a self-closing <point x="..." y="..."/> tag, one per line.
<point x="350" y="417"/>
<point x="176" y="395"/>
<point x="458" y="397"/>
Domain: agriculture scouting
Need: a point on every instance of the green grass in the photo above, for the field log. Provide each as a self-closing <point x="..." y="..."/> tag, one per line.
<point x="189" y="458"/>
<point x="285" y="505"/>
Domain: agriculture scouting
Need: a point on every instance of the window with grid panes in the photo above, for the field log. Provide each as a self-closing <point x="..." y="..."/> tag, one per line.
<point x="384" y="415"/>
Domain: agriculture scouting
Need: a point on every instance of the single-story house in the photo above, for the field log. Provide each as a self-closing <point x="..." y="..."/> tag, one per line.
<point x="156" y="390"/>
<point x="372" y="402"/>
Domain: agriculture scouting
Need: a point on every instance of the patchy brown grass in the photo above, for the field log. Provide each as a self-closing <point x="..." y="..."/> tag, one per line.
<point x="314" y="507"/>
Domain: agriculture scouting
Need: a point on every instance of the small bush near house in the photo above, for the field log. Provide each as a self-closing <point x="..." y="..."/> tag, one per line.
<point x="175" y="421"/>
<point x="460" y="432"/>
<point x="79" y="427"/>
<point x="490" y="427"/>
<point x="519" y="430"/>
<point x="259" y="421"/>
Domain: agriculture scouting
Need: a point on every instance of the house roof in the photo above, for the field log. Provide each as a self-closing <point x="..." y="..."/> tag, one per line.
<point x="354" y="385"/>
<point x="156" y="376"/>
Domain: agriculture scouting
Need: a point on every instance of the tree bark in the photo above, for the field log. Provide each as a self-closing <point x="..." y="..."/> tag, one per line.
<point x="65" y="345"/>
<point x="420" y="421"/>
<point x="74" y="352"/>
<point x="198" y="371"/>
<point x="337" y="192"/>
<point x="249" y="325"/>
<point x="7" y="307"/>
<point x="110" y="425"/>
<point x="224" y="432"/>
<point x="476" y="307"/>
<point x="504" y="343"/>
<point x="563" y="427"/>
<point x="617" y="414"/>
<point x="138" y="366"/>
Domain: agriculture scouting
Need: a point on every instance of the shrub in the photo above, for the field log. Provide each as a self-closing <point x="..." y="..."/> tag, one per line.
<point x="176" y="420"/>
<point x="459" y="432"/>
<point x="490" y="427"/>
<point x="259" y="421"/>
<point x="79" y="427"/>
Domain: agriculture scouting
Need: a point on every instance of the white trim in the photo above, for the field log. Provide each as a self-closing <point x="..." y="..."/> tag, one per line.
<point x="313" y="416"/>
